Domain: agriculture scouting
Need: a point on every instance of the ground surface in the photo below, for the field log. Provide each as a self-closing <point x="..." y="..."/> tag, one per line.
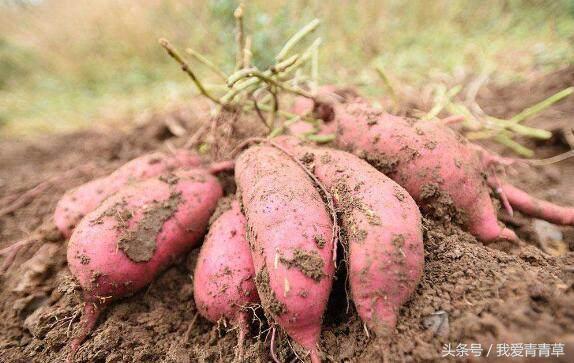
<point x="470" y="293"/>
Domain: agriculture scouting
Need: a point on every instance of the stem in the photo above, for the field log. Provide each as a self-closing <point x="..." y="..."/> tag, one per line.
<point x="276" y="132"/>
<point x="519" y="128"/>
<point x="246" y="72"/>
<point x="307" y="54"/>
<point x="258" y="112"/>
<point x="388" y="84"/>
<point x="321" y="139"/>
<point x="470" y="121"/>
<point x="207" y="63"/>
<point x="185" y="67"/>
<point x="279" y="130"/>
<point x="287" y="114"/>
<point x="274" y="108"/>
<point x="541" y="106"/>
<point x="438" y="105"/>
<point x="248" y="80"/>
<point x="479" y="135"/>
<point x="296" y="38"/>
<point x="505" y="140"/>
<point x="247" y="54"/>
<point x="315" y="69"/>
<point x="239" y="75"/>
<point x="262" y="76"/>
<point x="229" y="96"/>
<point x="267" y="97"/>
<point x="284" y="66"/>
<point x="443" y="98"/>
<point x="240" y="37"/>
<point x="552" y="160"/>
<point x="530" y="131"/>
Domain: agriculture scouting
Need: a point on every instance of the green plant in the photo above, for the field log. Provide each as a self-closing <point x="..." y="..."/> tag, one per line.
<point x="250" y="89"/>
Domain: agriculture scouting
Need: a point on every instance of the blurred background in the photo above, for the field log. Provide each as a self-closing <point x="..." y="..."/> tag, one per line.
<point x="70" y="64"/>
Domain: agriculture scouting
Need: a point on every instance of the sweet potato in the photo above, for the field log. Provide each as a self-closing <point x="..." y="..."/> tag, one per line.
<point x="78" y="202"/>
<point x="431" y="161"/>
<point x="383" y="230"/>
<point x="224" y="278"/>
<point x="290" y="234"/>
<point x="124" y="243"/>
<point x="534" y="207"/>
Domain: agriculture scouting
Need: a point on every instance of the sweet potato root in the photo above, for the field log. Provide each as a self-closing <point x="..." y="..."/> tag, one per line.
<point x="532" y="206"/>
<point x="224" y="278"/>
<point x="78" y="202"/>
<point x="132" y="236"/>
<point x="383" y="230"/>
<point x="290" y="234"/>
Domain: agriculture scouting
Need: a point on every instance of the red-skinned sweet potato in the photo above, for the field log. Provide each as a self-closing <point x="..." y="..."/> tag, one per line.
<point x="432" y="162"/>
<point x="132" y="236"/>
<point x="78" y="202"/>
<point x="532" y="206"/>
<point x="290" y="234"/>
<point x="382" y="224"/>
<point x="224" y="278"/>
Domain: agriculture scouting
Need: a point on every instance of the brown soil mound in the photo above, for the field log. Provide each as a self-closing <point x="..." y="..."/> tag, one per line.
<point x="470" y="293"/>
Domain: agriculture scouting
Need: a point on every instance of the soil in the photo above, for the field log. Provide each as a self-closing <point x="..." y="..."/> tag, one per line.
<point x="308" y="262"/>
<point x="470" y="293"/>
<point x="139" y="245"/>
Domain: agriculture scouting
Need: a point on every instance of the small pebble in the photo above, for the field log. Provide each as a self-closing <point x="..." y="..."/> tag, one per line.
<point x="437" y="323"/>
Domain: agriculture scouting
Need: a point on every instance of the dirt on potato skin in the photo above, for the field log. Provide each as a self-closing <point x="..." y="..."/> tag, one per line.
<point x="489" y="294"/>
<point x="140" y="244"/>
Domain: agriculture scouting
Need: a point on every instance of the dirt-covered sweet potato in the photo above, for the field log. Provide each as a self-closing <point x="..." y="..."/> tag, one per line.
<point x="290" y="234"/>
<point x="224" y="278"/>
<point x="383" y="230"/>
<point x="78" y="202"/>
<point x="432" y="162"/>
<point x="132" y="236"/>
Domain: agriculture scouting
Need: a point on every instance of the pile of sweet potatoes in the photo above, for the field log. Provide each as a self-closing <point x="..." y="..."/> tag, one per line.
<point x="274" y="249"/>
